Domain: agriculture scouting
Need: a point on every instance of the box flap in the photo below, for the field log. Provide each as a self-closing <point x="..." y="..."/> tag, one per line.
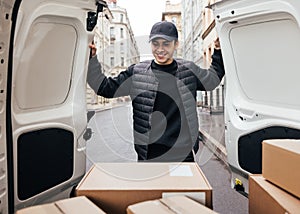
<point x="78" y="205"/>
<point x="170" y="205"/>
<point x="182" y="204"/>
<point x="144" y="176"/>
<point x="286" y="144"/>
<point x="148" y="207"/>
<point x="40" y="209"/>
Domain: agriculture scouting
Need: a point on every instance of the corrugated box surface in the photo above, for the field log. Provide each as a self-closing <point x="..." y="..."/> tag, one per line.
<point x="170" y="205"/>
<point x="281" y="164"/>
<point x="265" y="197"/>
<point x="76" y="205"/>
<point x="115" y="186"/>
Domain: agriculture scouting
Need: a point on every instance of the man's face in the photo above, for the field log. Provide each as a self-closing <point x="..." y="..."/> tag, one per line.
<point x="163" y="50"/>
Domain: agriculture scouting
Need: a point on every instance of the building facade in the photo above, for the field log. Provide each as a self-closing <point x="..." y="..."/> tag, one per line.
<point x="116" y="48"/>
<point x="173" y="14"/>
<point x="123" y="50"/>
<point x="213" y="100"/>
<point x="102" y="42"/>
<point x="199" y="33"/>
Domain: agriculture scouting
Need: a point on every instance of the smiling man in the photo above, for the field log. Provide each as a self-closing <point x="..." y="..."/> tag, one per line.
<point x="163" y="94"/>
<point x="164" y="42"/>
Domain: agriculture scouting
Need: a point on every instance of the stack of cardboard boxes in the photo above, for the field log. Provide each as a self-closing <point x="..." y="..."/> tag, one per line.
<point x="116" y="186"/>
<point x="277" y="189"/>
<point x="141" y="188"/>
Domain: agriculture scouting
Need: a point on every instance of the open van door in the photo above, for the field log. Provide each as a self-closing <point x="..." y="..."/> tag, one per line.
<point x="260" y="43"/>
<point x="44" y="57"/>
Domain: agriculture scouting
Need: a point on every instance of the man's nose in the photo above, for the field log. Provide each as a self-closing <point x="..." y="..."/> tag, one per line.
<point x="160" y="48"/>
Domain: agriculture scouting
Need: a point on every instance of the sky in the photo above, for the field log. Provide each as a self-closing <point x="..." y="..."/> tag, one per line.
<point x="143" y="13"/>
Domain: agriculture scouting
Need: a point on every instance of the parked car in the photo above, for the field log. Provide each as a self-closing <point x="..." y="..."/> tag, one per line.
<point x="260" y="41"/>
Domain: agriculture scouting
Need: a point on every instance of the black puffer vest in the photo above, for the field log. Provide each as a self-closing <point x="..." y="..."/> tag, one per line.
<point x="143" y="93"/>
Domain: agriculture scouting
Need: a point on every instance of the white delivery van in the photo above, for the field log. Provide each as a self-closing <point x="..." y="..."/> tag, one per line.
<point x="260" y="44"/>
<point x="43" y="63"/>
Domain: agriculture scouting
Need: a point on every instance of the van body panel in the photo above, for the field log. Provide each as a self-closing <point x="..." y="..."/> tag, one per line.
<point x="260" y="44"/>
<point x="5" y="34"/>
<point x="45" y="56"/>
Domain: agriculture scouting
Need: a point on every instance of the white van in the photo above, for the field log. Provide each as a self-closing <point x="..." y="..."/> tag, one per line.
<point x="43" y="116"/>
<point x="260" y="45"/>
<point x="43" y="63"/>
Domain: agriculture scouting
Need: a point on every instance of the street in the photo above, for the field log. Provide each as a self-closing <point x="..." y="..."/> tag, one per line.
<point x="112" y="141"/>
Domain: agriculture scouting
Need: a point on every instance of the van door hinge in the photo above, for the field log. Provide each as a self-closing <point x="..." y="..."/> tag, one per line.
<point x="91" y="20"/>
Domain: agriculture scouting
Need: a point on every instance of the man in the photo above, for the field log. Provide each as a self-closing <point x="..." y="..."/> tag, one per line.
<point x="163" y="94"/>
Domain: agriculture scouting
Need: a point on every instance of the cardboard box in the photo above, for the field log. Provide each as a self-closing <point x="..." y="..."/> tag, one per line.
<point x="115" y="186"/>
<point x="170" y="205"/>
<point x="76" y="205"/>
<point x="265" y="197"/>
<point x="281" y="164"/>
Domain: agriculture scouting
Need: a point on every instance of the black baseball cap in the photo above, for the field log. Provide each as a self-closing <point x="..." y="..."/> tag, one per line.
<point x="165" y="30"/>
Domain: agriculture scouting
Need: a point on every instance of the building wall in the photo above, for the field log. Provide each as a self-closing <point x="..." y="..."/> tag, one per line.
<point x="192" y="31"/>
<point x="123" y="50"/>
<point x="199" y="34"/>
<point x="173" y="14"/>
<point x="102" y="42"/>
<point x="214" y="99"/>
<point x="116" y="48"/>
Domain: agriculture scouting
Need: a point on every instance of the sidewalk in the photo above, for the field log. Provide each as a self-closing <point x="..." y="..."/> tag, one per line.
<point x="106" y="106"/>
<point x="212" y="131"/>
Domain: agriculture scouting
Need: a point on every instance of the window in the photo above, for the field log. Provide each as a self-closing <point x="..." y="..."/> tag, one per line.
<point x="111" y="49"/>
<point x="29" y="96"/>
<point x="122" y="47"/>
<point x="112" y="33"/>
<point x="122" y="61"/>
<point x="112" y="61"/>
<point x="121" y="18"/>
<point x="122" y="33"/>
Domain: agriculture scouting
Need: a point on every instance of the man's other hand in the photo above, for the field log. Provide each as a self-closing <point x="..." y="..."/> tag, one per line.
<point x="217" y="43"/>
<point x="93" y="49"/>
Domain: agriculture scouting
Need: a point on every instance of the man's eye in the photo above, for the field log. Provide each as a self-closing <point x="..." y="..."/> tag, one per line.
<point x="166" y="44"/>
